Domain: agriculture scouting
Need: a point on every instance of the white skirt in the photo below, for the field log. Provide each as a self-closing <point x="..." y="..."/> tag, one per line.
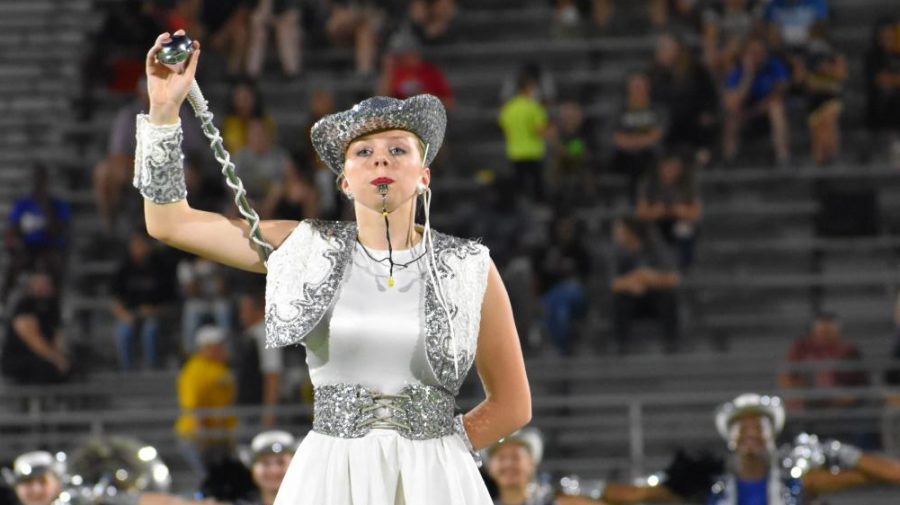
<point x="382" y="468"/>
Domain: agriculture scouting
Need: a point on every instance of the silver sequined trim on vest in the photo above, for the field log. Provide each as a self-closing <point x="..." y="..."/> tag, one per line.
<point x="438" y="344"/>
<point x="317" y="298"/>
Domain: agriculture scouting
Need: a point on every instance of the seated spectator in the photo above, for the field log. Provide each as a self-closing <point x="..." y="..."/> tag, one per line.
<point x="34" y="351"/>
<point x="141" y="284"/>
<point x="223" y="26"/>
<point x="356" y="24"/>
<point x="567" y="18"/>
<point x="262" y="162"/>
<point x="670" y="199"/>
<point x="686" y="91"/>
<point x="117" y="58"/>
<point x="525" y="127"/>
<point x="520" y="280"/>
<point x="113" y="173"/>
<point x="727" y="24"/>
<point x="405" y="73"/>
<point x="432" y="19"/>
<point x="568" y="14"/>
<point x="824" y="343"/>
<point x="573" y="154"/>
<point x="245" y="107"/>
<point x="205" y="298"/>
<point x="206" y="382"/>
<point x="296" y="198"/>
<point x="792" y="23"/>
<point x="563" y="270"/>
<point x="258" y="369"/>
<point x="283" y="16"/>
<point x="644" y="283"/>
<point x="823" y="77"/>
<point x="38" y="233"/>
<point x="883" y="83"/>
<point x="321" y="104"/>
<point x="183" y="15"/>
<point x="754" y="97"/>
<point x="639" y="131"/>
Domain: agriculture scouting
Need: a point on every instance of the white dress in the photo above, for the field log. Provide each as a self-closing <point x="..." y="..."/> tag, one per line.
<point x="374" y="336"/>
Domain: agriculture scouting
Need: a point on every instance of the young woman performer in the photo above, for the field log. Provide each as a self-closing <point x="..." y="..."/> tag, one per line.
<point x="392" y="314"/>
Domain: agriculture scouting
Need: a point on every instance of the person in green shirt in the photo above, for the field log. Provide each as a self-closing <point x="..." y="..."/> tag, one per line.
<point x="524" y="123"/>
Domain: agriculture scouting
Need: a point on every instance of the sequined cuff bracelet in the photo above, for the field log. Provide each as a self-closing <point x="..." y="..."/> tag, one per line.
<point x="459" y="427"/>
<point x="158" y="161"/>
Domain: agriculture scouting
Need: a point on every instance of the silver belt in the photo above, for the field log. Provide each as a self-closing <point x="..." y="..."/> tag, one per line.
<point x="417" y="412"/>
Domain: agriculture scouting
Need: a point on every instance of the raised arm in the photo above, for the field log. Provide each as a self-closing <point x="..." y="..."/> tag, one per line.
<point x="869" y="470"/>
<point x="502" y="370"/>
<point x="210" y="235"/>
<point x="205" y="234"/>
<point x="624" y="494"/>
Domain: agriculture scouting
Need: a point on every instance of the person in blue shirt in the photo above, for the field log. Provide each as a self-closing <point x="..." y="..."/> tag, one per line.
<point x="754" y="94"/>
<point x="37" y="236"/>
<point x="792" y="22"/>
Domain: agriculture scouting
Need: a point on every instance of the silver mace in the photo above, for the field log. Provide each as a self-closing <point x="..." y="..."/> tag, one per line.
<point x="173" y="55"/>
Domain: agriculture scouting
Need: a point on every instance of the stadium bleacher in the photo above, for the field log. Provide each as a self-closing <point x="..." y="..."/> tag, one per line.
<point x="761" y="273"/>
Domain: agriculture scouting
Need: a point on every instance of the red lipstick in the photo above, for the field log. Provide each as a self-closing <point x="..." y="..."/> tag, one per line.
<point x="382" y="180"/>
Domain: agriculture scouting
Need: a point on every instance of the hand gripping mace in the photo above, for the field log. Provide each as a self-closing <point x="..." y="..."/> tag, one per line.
<point x="174" y="54"/>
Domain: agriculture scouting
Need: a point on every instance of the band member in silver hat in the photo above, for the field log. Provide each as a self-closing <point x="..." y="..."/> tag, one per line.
<point x="754" y="472"/>
<point x="512" y="464"/>
<point x="36" y="478"/>
<point x="40" y="478"/>
<point x="270" y="455"/>
<point x="392" y="314"/>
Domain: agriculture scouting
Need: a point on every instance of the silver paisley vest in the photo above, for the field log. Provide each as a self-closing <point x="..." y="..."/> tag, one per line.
<point x="307" y="271"/>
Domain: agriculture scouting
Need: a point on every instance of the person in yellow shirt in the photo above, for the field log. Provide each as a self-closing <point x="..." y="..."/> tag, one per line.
<point x="524" y="123"/>
<point x="246" y="106"/>
<point x="206" y="382"/>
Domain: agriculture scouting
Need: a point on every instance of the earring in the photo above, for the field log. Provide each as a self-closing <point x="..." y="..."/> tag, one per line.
<point x="349" y="195"/>
<point x="420" y="188"/>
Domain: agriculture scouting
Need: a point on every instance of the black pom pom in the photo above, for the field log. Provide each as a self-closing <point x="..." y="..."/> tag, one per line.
<point x="691" y="476"/>
<point x="228" y="481"/>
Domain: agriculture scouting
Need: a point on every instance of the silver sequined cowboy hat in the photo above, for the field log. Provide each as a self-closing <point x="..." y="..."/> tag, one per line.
<point x="423" y="115"/>
<point x="749" y="404"/>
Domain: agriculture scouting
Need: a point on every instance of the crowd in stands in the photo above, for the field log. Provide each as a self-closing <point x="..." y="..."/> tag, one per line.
<point x="723" y="74"/>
